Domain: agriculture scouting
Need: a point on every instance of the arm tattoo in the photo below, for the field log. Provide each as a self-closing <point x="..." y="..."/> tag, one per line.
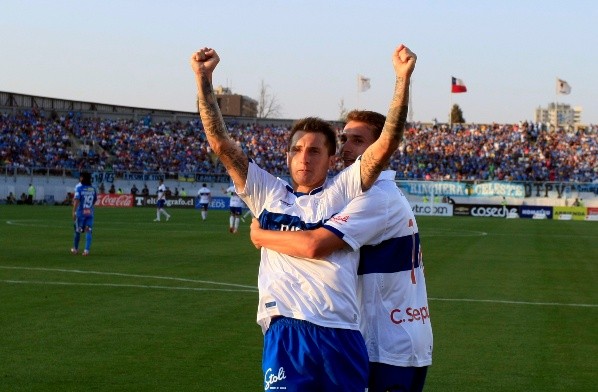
<point x="375" y="161"/>
<point x="232" y="157"/>
<point x="397" y="113"/>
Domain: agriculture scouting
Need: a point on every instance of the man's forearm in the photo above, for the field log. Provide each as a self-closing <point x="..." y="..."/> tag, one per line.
<point x="312" y="244"/>
<point x="232" y="157"/>
<point x="377" y="157"/>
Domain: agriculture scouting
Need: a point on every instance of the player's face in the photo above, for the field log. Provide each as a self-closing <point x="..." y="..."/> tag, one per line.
<point x="356" y="138"/>
<point x="308" y="160"/>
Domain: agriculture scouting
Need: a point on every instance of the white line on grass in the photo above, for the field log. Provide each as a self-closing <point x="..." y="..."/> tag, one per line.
<point x="127" y="275"/>
<point x="238" y="287"/>
<point x="141" y="286"/>
<point x="495" y="301"/>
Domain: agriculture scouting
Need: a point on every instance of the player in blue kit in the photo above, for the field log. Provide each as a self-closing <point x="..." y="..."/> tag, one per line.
<point x="308" y="311"/>
<point x="84" y="200"/>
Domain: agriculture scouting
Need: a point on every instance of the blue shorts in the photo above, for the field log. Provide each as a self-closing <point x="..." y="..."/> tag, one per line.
<point x="82" y="222"/>
<point x="301" y="356"/>
<point x="161" y="203"/>
<point x="235" y="210"/>
<point x="203" y="206"/>
<point x="389" y="378"/>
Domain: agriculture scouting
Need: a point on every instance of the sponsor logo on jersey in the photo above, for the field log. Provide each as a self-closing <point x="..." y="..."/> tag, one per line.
<point x="340" y="218"/>
<point x="412" y="315"/>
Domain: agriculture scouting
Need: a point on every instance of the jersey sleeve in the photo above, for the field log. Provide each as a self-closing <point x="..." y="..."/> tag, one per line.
<point x="259" y="188"/>
<point x="363" y="220"/>
<point x="348" y="182"/>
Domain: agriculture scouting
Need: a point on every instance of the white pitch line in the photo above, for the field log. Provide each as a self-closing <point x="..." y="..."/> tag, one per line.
<point x="243" y="288"/>
<point x="127" y="275"/>
<point x="496" y="301"/>
<point x="124" y="285"/>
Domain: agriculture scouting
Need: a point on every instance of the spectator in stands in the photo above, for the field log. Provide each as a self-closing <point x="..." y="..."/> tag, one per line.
<point x="502" y="152"/>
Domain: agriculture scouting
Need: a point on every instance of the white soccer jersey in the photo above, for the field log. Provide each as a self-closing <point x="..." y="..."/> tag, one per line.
<point x="395" y="317"/>
<point x="162" y="192"/>
<point x="323" y="292"/>
<point x="204" y="195"/>
<point x="235" y="200"/>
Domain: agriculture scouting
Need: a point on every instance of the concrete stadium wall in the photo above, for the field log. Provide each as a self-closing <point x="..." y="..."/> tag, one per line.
<point x="56" y="189"/>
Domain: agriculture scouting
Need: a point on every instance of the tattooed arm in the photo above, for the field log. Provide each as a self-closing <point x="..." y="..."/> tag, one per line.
<point x="377" y="156"/>
<point x="203" y="63"/>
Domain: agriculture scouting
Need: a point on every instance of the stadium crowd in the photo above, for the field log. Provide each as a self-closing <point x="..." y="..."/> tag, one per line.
<point x="512" y="152"/>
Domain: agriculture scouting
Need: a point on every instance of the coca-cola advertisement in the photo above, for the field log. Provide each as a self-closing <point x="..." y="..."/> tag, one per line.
<point x="113" y="200"/>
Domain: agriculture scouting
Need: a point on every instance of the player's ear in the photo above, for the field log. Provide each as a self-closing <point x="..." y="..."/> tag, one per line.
<point x="331" y="162"/>
<point x="288" y="159"/>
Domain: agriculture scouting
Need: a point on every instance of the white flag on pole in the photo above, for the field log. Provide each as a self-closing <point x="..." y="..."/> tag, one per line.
<point x="363" y="83"/>
<point x="562" y="87"/>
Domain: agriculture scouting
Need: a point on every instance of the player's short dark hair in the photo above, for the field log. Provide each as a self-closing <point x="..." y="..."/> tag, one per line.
<point x="315" y="125"/>
<point x="85" y="178"/>
<point x="204" y="184"/>
<point x="375" y="120"/>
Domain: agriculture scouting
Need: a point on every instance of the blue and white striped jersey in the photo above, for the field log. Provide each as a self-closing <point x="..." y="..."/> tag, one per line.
<point x="235" y="200"/>
<point x="395" y="317"/>
<point x="323" y="292"/>
<point x="204" y="195"/>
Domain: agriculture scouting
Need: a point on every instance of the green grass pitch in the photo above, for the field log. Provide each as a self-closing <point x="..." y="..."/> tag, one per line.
<point x="170" y="306"/>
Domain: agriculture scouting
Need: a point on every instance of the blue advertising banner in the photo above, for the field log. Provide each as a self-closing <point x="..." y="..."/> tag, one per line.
<point x="217" y="203"/>
<point x="530" y="211"/>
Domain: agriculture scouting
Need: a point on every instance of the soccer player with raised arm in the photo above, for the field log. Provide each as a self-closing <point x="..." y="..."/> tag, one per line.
<point x="395" y="317"/>
<point x="308" y="311"/>
<point x="84" y="199"/>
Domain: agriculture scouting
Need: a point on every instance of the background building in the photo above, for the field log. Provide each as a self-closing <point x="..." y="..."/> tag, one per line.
<point x="560" y="114"/>
<point x="235" y="104"/>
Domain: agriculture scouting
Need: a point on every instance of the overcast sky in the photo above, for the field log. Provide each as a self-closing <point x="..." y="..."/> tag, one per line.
<point x="135" y="53"/>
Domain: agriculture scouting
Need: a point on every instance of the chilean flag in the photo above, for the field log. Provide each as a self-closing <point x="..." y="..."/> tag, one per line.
<point x="458" y="86"/>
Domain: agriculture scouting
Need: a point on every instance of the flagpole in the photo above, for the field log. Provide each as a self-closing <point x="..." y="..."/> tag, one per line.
<point x="410" y="103"/>
<point x="358" y="88"/>
<point x="450" y="110"/>
<point x="556" y="106"/>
